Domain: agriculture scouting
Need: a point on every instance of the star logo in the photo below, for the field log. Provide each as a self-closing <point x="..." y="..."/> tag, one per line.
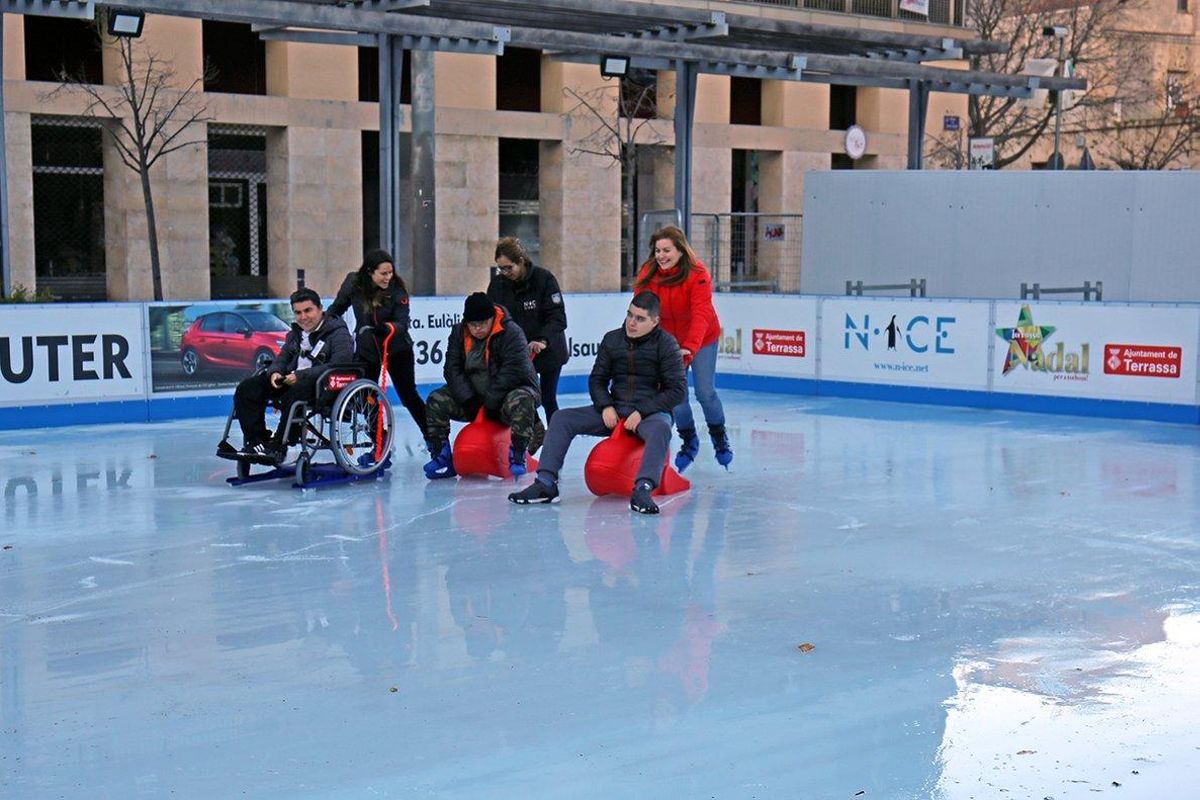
<point x="1024" y="341"/>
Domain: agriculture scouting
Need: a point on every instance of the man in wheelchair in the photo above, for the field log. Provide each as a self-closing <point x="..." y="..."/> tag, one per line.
<point x="315" y="343"/>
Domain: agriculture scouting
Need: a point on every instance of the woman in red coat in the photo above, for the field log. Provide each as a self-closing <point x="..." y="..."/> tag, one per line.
<point x="684" y="288"/>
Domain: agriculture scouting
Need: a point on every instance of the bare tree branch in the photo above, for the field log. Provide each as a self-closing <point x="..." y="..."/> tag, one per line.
<point x="146" y="119"/>
<point x="620" y="124"/>
<point x="1096" y="45"/>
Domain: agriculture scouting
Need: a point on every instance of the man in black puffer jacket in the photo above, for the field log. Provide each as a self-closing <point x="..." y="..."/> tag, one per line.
<point x="487" y="366"/>
<point x="637" y="380"/>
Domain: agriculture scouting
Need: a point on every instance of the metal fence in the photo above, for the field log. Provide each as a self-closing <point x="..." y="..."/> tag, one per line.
<point x="68" y="207"/>
<point x="749" y="251"/>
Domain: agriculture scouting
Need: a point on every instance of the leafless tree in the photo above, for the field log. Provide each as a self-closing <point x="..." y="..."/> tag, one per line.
<point x="1094" y="45"/>
<point x="944" y="150"/>
<point x="1156" y="133"/>
<point x="145" y="117"/>
<point x="618" y="137"/>
<point x="1164" y="142"/>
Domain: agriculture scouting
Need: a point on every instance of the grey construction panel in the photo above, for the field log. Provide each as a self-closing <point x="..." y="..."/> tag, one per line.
<point x="981" y="234"/>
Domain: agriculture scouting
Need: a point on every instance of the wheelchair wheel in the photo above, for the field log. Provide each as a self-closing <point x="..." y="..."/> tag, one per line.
<point x="303" y="469"/>
<point x="354" y="424"/>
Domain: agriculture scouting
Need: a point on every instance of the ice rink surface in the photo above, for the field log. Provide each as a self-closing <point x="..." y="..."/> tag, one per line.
<point x="997" y="604"/>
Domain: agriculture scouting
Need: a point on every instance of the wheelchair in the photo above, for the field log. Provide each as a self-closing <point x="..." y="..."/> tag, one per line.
<point x="350" y="417"/>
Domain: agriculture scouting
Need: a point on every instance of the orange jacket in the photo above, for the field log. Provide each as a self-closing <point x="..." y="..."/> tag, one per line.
<point x="687" y="308"/>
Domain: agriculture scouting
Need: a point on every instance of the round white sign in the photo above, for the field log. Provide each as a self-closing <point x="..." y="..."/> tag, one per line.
<point x="856" y="142"/>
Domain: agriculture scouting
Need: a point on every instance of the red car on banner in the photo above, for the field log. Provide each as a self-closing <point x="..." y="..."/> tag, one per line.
<point x="243" y="339"/>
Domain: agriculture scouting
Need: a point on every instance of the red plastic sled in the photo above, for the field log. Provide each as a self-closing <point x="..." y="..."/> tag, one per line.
<point x="613" y="464"/>
<point x="482" y="449"/>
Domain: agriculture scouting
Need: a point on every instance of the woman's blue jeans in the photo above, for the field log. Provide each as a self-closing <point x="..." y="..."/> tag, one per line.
<point x="704" y="374"/>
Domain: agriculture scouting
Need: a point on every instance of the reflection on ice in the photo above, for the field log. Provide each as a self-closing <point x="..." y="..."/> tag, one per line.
<point x="996" y="601"/>
<point x="1044" y="722"/>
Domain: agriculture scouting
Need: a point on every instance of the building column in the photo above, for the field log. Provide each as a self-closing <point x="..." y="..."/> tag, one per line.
<point x="883" y="114"/>
<point x="579" y="193"/>
<point x="314" y="175"/>
<point x="18" y="163"/>
<point x="467" y="176"/>
<point x="712" y="170"/>
<point x="794" y="105"/>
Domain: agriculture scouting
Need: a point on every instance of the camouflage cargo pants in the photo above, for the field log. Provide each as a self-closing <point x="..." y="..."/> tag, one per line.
<point x="518" y="412"/>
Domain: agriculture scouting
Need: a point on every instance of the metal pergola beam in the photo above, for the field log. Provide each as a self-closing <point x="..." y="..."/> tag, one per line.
<point x="885" y="39"/>
<point x="71" y="9"/>
<point x="393" y="5"/>
<point x="544" y="39"/>
<point x="471" y="46"/>
<point x="682" y="33"/>
<point x="319" y="16"/>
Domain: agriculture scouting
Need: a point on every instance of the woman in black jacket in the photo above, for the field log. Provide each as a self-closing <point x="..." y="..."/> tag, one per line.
<point x="378" y="296"/>
<point x="532" y="298"/>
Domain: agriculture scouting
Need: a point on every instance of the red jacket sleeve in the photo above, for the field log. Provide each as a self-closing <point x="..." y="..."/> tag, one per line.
<point x="699" y="288"/>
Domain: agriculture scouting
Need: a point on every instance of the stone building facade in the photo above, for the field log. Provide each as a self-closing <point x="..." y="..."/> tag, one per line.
<point x="311" y="171"/>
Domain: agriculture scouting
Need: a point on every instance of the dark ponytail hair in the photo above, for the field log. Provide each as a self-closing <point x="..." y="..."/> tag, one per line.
<point x="371" y="261"/>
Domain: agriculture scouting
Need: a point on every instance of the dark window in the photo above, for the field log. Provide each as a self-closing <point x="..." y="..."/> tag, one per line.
<point x="370" y="190"/>
<point x="68" y="209"/>
<point x="237" y="212"/>
<point x="743" y="243"/>
<point x="368" y="76"/>
<point x="518" y="163"/>
<point x="211" y="323"/>
<point x="1181" y="5"/>
<point x="235" y="57"/>
<point x="841" y="161"/>
<point x="519" y="80"/>
<point x="843" y="106"/>
<point x="54" y="46"/>
<point x="639" y="94"/>
<point x="745" y="101"/>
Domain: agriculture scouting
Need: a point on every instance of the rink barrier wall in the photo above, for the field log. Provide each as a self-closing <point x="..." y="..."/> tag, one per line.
<point x="120" y="362"/>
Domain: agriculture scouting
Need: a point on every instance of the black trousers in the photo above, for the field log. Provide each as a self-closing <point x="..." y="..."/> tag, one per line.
<point x="401" y="372"/>
<point x="251" y="397"/>
<point x="548" y="387"/>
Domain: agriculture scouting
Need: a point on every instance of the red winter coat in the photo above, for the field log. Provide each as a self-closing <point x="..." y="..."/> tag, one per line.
<point x="687" y="308"/>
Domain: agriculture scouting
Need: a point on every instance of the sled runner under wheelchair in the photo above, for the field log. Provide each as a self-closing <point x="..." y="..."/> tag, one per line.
<point x="350" y="417"/>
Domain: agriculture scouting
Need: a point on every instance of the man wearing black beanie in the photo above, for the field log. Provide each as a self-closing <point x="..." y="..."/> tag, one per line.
<point x="487" y="366"/>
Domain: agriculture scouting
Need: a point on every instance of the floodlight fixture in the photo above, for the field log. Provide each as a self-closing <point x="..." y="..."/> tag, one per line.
<point x="614" y="66"/>
<point x="1055" y="31"/>
<point x="127" y="23"/>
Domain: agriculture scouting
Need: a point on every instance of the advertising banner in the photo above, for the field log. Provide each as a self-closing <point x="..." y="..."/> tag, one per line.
<point x="774" y="336"/>
<point x="213" y="345"/>
<point x="934" y="343"/>
<point x="56" y="355"/>
<point x="1141" y="353"/>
